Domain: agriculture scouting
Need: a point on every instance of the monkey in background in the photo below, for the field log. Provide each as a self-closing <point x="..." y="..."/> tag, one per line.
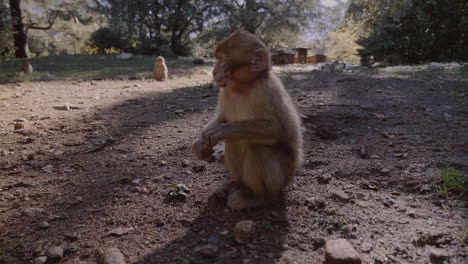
<point x="256" y="119"/>
<point x="160" y="69"/>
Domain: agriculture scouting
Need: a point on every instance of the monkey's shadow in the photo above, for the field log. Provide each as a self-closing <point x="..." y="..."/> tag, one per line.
<point x="209" y="238"/>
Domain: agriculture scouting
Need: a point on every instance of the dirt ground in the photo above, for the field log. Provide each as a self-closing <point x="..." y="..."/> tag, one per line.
<point x="99" y="175"/>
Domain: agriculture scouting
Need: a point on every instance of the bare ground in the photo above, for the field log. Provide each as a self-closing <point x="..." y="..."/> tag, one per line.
<point x="111" y="163"/>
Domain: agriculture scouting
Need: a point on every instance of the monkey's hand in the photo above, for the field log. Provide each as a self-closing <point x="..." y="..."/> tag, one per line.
<point x="201" y="150"/>
<point x="213" y="135"/>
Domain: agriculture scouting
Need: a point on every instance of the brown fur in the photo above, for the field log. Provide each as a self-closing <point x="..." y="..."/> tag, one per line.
<point x="256" y="119"/>
<point x="160" y="69"/>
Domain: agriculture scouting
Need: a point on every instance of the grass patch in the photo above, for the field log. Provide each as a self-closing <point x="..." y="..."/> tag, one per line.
<point x="89" y="67"/>
<point x="418" y="71"/>
<point x="450" y="180"/>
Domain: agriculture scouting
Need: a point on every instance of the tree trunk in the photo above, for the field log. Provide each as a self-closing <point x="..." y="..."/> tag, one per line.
<point x="19" y="33"/>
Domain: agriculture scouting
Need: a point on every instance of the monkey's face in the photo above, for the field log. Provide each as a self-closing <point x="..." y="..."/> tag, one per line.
<point x="222" y="70"/>
<point x="159" y="60"/>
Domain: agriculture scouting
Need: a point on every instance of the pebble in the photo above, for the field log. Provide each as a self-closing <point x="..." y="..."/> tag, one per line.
<point x="425" y="189"/>
<point x="71" y="237"/>
<point x="31" y="211"/>
<point x="340" y="251"/>
<point x="437" y="255"/>
<point x="340" y="196"/>
<point x="243" y="231"/>
<point x="40" y="260"/>
<point x="324" y="178"/>
<point x="315" y="203"/>
<point x="18" y="125"/>
<point x="54" y="253"/>
<point x="185" y="163"/>
<point x="44" y="225"/>
<point x="111" y="256"/>
<point x="162" y="163"/>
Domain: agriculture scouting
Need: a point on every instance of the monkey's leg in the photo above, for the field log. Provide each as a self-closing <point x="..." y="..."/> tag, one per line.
<point x="265" y="173"/>
<point x="233" y="164"/>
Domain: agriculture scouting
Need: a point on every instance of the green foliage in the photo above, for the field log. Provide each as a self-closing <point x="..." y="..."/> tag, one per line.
<point x="424" y="30"/>
<point x="450" y="180"/>
<point x="105" y="38"/>
<point x="6" y="39"/>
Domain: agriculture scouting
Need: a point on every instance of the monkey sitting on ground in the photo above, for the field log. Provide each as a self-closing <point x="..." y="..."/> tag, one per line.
<point x="256" y="119"/>
<point x="26" y="67"/>
<point x="160" y="69"/>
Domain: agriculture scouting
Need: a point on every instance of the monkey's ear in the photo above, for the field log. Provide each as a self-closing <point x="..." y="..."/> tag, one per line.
<point x="261" y="60"/>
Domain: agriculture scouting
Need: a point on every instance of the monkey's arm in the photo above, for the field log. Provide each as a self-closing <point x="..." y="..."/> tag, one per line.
<point x="255" y="131"/>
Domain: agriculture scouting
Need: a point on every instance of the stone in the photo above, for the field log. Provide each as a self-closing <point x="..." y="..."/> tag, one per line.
<point x="18" y="125"/>
<point x="425" y="189"/>
<point x="340" y="251"/>
<point x="120" y="231"/>
<point x="71" y="237"/>
<point x="340" y="196"/>
<point x="437" y="255"/>
<point x="180" y="112"/>
<point x="324" y="178"/>
<point x="54" y="253"/>
<point x="40" y="260"/>
<point x="44" y="225"/>
<point x="111" y="256"/>
<point x="327" y="132"/>
<point x="32" y="212"/>
<point x="244" y="231"/>
<point x="162" y="163"/>
<point x="185" y="163"/>
<point x="315" y="203"/>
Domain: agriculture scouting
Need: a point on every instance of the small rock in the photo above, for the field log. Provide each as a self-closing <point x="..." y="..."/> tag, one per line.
<point x="385" y="134"/>
<point x="180" y="112"/>
<point x="244" y="231"/>
<point x="340" y="196"/>
<point x="340" y="251"/>
<point x="162" y="163"/>
<point x="208" y="250"/>
<point x="363" y="152"/>
<point x="18" y="125"/>
<point x="20" y="120"/>
<point x="325" y="131"/>
<point x="385" y="171"/>
<point x="378" y="91"/>
<point x="30" y="156"/>
<point x="31" y="211"/>
<point x="185" y="163"/>
<point x="437" y="255"/>
<point x="44" y="225"/>
<point x="119" y="231"/>
<point x="71" y="237"/>
<point x="425" y="189"/>
<point x="324" y="178"/>
<point x="315" y="203"/>
<point x="40" y="260"/>
<point x="54" y="253"/>
<point x="366" y="247"/>
<point x="111" y="256"/>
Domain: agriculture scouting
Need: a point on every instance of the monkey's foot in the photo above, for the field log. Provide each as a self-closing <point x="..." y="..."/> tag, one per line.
<point x="243" y="199"/>
<point x="225" y="189"/>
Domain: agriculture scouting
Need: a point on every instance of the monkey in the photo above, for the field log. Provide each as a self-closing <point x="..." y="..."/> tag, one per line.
<point x="160" y="69"/>
<point x="256" y="119"/>
<point x="26" y="67"/>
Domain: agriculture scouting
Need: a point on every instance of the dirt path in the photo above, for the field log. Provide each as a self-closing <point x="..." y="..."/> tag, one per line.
<point x="110" y="164"/>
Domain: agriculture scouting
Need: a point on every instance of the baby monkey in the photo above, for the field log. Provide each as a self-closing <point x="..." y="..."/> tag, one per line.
<point x="160" y="69"/>
<point x="256" y="119"/>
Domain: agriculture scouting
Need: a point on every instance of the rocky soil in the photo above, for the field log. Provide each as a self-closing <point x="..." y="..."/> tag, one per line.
<point x="102" y="171"/>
